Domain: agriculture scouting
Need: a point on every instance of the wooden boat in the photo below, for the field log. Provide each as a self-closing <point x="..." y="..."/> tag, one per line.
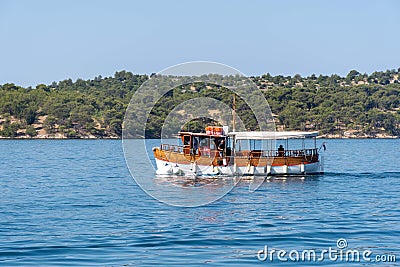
<point x="218" y="152"/>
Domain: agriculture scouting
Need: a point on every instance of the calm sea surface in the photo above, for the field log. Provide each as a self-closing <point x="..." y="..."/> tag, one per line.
<point x="67" y="203"/>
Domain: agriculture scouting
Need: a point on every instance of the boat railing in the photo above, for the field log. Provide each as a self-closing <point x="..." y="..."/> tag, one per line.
<point x="172" y="148"/>
<point x="276" y="153"/>
<point x="297" y="152"/>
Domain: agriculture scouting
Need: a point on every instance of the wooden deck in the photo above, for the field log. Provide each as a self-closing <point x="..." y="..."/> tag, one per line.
<point x="243" y="158"/>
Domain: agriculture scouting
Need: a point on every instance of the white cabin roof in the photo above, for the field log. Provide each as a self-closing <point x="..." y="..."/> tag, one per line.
<point x="272" y="135"/>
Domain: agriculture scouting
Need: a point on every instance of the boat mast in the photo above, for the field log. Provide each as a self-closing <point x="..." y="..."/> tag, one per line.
<point x="234" y="113"/>
<point x="233" y="144"/>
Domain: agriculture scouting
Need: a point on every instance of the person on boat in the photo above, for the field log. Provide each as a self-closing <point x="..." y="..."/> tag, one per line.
<point x="281" y="151"/>
<point x="221" y="148"/>
<point x="195" y="145"/>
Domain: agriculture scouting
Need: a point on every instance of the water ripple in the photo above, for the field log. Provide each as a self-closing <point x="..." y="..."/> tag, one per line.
<point x="73" y="203"/>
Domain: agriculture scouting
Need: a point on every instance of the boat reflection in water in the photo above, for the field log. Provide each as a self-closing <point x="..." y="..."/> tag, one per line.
<point x="222" y="181"/>
<point x="195" y="181"/>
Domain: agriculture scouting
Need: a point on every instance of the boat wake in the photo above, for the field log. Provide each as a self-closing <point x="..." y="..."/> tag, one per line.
<point x="363" y="174"/>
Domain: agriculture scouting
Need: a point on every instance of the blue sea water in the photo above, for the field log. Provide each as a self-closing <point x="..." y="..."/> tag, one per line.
<point x="74" y="203"/>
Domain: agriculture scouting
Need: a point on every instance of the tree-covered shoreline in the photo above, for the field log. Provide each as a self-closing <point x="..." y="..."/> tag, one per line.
<point x="358" y="105"/>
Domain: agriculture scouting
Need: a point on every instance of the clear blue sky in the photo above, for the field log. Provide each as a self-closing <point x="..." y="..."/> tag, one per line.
<point x="43" y="41"/>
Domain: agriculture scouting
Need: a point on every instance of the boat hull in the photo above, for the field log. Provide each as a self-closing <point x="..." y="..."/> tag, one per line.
<point x="170" y="168"/>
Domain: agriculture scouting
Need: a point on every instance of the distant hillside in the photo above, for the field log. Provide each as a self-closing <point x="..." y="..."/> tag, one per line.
<point x="358" y="105"/>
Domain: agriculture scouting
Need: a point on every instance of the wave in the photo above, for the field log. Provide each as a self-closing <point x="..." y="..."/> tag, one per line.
<point x="396" y="173"/>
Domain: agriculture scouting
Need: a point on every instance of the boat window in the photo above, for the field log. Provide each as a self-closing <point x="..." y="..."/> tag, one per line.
<point x="204" y="141"/>
<point x="186" y="140"/>
<point x="252" y="144"/>
<point x="205" y="145"/>
<point x="297" y="143"/>
<point x="213" y="144"/>
<point x="242" y="145"/>
<point x="256" y="144"/>
<point x="195" y="142"/>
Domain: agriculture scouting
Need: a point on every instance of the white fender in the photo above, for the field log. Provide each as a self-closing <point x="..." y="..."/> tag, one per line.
<point x="285" y="169"/>
<point x="302" y="168"/>
<point x="267" y="169"/>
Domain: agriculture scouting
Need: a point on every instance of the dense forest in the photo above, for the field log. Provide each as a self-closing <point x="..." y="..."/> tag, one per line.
<point x="358" y="105"/>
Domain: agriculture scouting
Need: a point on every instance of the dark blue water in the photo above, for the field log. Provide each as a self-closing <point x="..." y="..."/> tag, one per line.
<point x="73" y="203"/>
